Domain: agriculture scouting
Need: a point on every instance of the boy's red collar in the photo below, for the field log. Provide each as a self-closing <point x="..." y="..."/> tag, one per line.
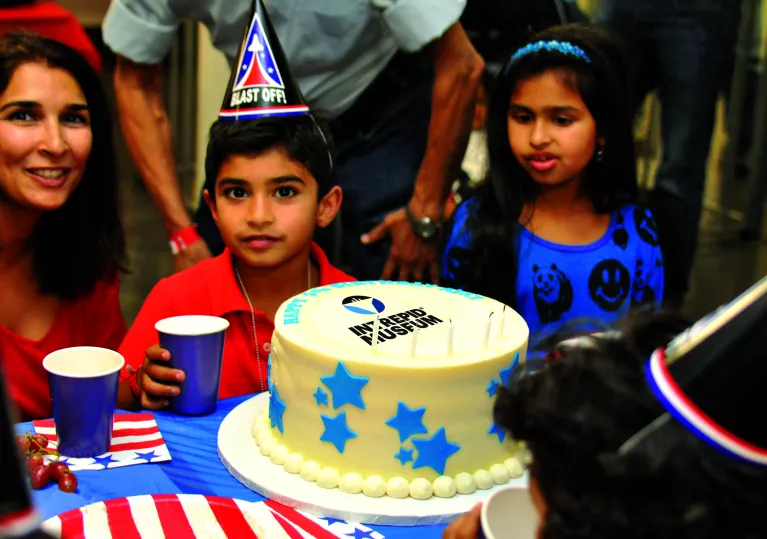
<point x="226" y="296"/>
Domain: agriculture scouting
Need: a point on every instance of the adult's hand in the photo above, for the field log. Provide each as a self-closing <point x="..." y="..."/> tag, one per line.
<point x="194" y="253"/>
<point x="410" y="257"/>
<point x="457" y="71"/>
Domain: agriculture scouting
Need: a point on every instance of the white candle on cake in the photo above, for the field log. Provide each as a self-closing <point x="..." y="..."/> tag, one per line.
<point x="503" y="319"/>
<point x="376" y="327"/>
<point x="488" y="323"/>
<point x="450" y="332"/>
<point x="414" y="342"/>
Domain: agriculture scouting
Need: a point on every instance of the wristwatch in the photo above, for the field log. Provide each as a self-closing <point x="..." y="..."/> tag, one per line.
<point x="423" y="227"/>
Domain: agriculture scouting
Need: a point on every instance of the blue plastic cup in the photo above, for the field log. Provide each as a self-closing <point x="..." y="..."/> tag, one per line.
<point x="196" y="346"/>
<point x="83" y="382"/>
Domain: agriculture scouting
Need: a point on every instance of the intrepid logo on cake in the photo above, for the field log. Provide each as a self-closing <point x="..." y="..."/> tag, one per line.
<point x="363" y="305"/>
<point x="395" y="325"/>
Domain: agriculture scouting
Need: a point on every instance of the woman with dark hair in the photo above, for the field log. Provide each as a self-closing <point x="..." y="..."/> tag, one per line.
<point x="554" y="231"/>
<point x="62" y="245"/>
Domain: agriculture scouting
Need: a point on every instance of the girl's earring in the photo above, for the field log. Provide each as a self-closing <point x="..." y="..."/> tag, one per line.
<point x="600" y="154"/>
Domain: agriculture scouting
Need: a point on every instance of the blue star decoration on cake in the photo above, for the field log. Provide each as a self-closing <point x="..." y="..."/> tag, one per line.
<point x="434" y="452"/>
<point x="345" y="387"/>
<point x="508" y="371"/>
<point x="408" y="422"/>
<point x="336" y="431"/>
<point x="404" y="455"/>
<point x="492" y="388"/>
<point x="495" y="429"/>
<point x="505" y="376"/>
<point x="276" y="408"/>
<point x="321" y="397"/>
<point x="507" y="381"/>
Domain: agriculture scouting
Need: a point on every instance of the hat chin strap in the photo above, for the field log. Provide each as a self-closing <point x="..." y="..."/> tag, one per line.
<point x="327" y="144"/>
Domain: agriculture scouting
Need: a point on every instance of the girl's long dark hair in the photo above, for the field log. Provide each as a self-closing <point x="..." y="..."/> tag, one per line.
<point x="489" y="266"/>
<point x="82" y="242"/>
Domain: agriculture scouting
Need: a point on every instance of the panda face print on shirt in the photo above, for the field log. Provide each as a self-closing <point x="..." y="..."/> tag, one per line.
<point x="645" y="225"/>
<point x="620" y="235"/>
<point x="609" y="284"/>
<point x="552" y="292"/>
<point x="643" y="292"/>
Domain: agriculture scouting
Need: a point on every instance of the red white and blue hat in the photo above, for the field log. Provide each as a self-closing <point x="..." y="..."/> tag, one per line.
<point x="261" y="83"/>
<point x="711" y="379"/>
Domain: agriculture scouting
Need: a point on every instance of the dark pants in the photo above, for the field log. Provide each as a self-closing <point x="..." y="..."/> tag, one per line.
<point x="379" y="145"/>
<point x="678" y="48"/>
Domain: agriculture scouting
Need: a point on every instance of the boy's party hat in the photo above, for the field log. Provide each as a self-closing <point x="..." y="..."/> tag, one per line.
<point x="711" y="379"/>
<point x="261" y="83"/>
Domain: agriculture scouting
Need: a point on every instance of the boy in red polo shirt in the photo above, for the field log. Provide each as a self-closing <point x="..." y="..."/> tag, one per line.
<point x="269" y="183"/>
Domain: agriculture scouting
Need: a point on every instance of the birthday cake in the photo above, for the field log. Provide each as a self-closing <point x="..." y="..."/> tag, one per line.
<point x="388" y="389"/>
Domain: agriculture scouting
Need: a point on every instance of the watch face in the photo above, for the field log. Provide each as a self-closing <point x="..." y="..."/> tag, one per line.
<point x="427" y="229"/>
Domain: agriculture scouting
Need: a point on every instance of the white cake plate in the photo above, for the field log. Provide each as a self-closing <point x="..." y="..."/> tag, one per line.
<point x="240" y="455"/>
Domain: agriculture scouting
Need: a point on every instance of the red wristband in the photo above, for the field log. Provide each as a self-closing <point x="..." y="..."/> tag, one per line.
<point x="181" y="239"/>
<point x="134" y="388"/>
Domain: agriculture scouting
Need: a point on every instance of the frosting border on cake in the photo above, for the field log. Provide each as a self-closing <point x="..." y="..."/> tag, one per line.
<point x="375" y="486"/>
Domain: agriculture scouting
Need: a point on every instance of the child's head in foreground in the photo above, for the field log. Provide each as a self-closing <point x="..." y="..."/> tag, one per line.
<point x="579" y="411"/>
<point x="269" y="183"/>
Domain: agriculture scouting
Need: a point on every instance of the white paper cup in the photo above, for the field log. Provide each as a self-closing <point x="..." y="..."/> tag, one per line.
<point x="509" y="513"/>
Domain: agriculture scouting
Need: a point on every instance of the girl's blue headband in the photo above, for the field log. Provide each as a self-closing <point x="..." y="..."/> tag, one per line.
<point x="562" y="47"/>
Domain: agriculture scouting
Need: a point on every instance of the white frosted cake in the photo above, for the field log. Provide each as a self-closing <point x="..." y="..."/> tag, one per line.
<point x="409" y="415"/>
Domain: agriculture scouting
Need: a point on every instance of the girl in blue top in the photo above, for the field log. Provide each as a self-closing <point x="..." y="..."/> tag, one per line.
<point x="555" y="231"/>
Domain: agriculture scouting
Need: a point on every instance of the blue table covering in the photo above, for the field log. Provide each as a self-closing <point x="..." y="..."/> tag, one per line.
<point x="195" y="469"/>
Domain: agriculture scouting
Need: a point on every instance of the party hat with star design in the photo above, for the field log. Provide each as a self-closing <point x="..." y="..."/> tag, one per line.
<point x="261" y="83"/>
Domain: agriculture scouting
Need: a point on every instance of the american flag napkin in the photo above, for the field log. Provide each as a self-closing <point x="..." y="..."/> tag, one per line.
<point x="136" y="439"/>
<point x="189" y="516"/>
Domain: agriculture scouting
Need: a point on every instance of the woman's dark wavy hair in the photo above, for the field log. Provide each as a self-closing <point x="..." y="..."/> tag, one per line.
<point x="489" y="267"/>
<point x="82" y="242"/>
<point x="577" y="413"/>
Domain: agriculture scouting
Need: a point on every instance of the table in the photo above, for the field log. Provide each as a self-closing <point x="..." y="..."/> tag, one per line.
<point x="195" y="469"/>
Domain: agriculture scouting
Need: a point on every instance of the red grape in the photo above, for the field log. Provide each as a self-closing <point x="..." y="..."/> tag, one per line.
<point x="68" y="482"/>
<point x="23" y="442"/>
<point x="58" y="470"/>
<point x="39" y="441"/>
<point x="34" y="462"/>
<point x="40" y="477"/>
